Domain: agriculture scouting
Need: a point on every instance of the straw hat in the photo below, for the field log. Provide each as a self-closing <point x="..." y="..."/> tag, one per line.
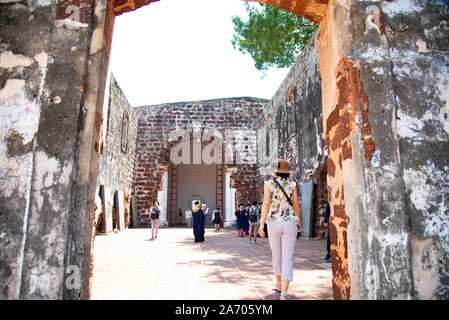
<point x="282" y="166"/>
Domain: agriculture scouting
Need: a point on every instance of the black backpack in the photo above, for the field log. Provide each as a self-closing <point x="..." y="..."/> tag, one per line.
<point x="253" y="214"/>
<point x="154" y="214"/>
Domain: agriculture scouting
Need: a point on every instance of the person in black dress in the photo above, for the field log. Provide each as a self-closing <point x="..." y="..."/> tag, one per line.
<point x="246" y="220"/>
<point x="198" y="218"/>
<point x="218" y="218"/>
<point x="240" y="215"/>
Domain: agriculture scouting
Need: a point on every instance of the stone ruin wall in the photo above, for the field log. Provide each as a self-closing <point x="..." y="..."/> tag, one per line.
<point x="384" y="92"/>
<point x="117" y="159"/>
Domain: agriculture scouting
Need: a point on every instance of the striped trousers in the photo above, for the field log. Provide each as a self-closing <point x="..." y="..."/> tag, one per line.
<point x="282" y="237"/>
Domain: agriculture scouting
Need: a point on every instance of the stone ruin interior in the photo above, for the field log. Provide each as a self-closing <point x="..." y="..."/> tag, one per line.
<point x="363" y="117"/>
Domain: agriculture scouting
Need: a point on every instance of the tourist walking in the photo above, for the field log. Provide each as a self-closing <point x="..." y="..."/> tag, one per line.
<point x="155" y="219"/>
<point x="281" y="210"/>
<point x="188" y="218"/>
<point x="240" y="215"/>
<point x="254" y="218"/>
<point x="198" y="217"/>
<point x="218" y="218"/>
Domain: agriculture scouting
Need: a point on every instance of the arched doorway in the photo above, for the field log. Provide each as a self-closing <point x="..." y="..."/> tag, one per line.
<point x="190" y="182"/>
<point x="194" y="182"/>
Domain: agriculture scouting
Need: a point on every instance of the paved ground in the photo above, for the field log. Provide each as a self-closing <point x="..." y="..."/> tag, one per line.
<point x="128" y="265"/>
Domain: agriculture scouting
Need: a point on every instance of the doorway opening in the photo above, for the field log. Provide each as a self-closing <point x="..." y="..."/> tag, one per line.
<point x="193" y="182"/>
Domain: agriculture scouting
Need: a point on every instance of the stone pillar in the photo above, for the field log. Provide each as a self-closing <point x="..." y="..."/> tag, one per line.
<point x="162" y="197"/>
<point x="43" y="61"/>
<point x="108" y="206"/>
<point x="383" y="66"/>
<point x="79" y="248"/>
<point x="229" y="217"/>
<point x="418" y="49"/>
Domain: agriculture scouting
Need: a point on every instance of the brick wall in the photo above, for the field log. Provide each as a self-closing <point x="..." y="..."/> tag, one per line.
<point x="246" y="182"/>
<point x="157" y="122"/>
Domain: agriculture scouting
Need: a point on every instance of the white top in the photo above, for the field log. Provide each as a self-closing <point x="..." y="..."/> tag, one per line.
<point x="280" y="209"/>
<point x="188" y="214"/>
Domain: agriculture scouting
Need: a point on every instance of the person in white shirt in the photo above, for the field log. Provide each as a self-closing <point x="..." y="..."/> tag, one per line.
<point x="188" y="218"/>
<point x="205" y="210"/>
<point x="282" y="211"/>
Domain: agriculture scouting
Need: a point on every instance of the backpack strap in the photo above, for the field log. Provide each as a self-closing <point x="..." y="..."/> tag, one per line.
<point x="283" y="191"/>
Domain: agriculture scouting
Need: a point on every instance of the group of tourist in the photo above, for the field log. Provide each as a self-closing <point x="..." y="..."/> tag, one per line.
<point x="195" y="218"/>
<point x="248" y="220"/>
<point x="279" y="216"/>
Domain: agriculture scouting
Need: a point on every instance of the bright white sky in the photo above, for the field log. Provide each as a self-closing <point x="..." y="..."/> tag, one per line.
<point x="180" y="50"/>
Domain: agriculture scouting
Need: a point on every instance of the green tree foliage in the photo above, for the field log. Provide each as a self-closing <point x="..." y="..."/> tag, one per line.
<point x="272" y="36"/>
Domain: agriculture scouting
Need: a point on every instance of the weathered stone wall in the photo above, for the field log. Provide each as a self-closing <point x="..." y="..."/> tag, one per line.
<point x="117" y="160"/>
<point x="157" y="122"/>
<point x="42" y="74"/>
<point x="295" y="117"/>
<point x="383" y="65"/>
<point x="418" y="48"/>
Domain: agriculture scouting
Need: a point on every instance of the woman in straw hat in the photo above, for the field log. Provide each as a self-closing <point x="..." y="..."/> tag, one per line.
<point x="281" y="211"/>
